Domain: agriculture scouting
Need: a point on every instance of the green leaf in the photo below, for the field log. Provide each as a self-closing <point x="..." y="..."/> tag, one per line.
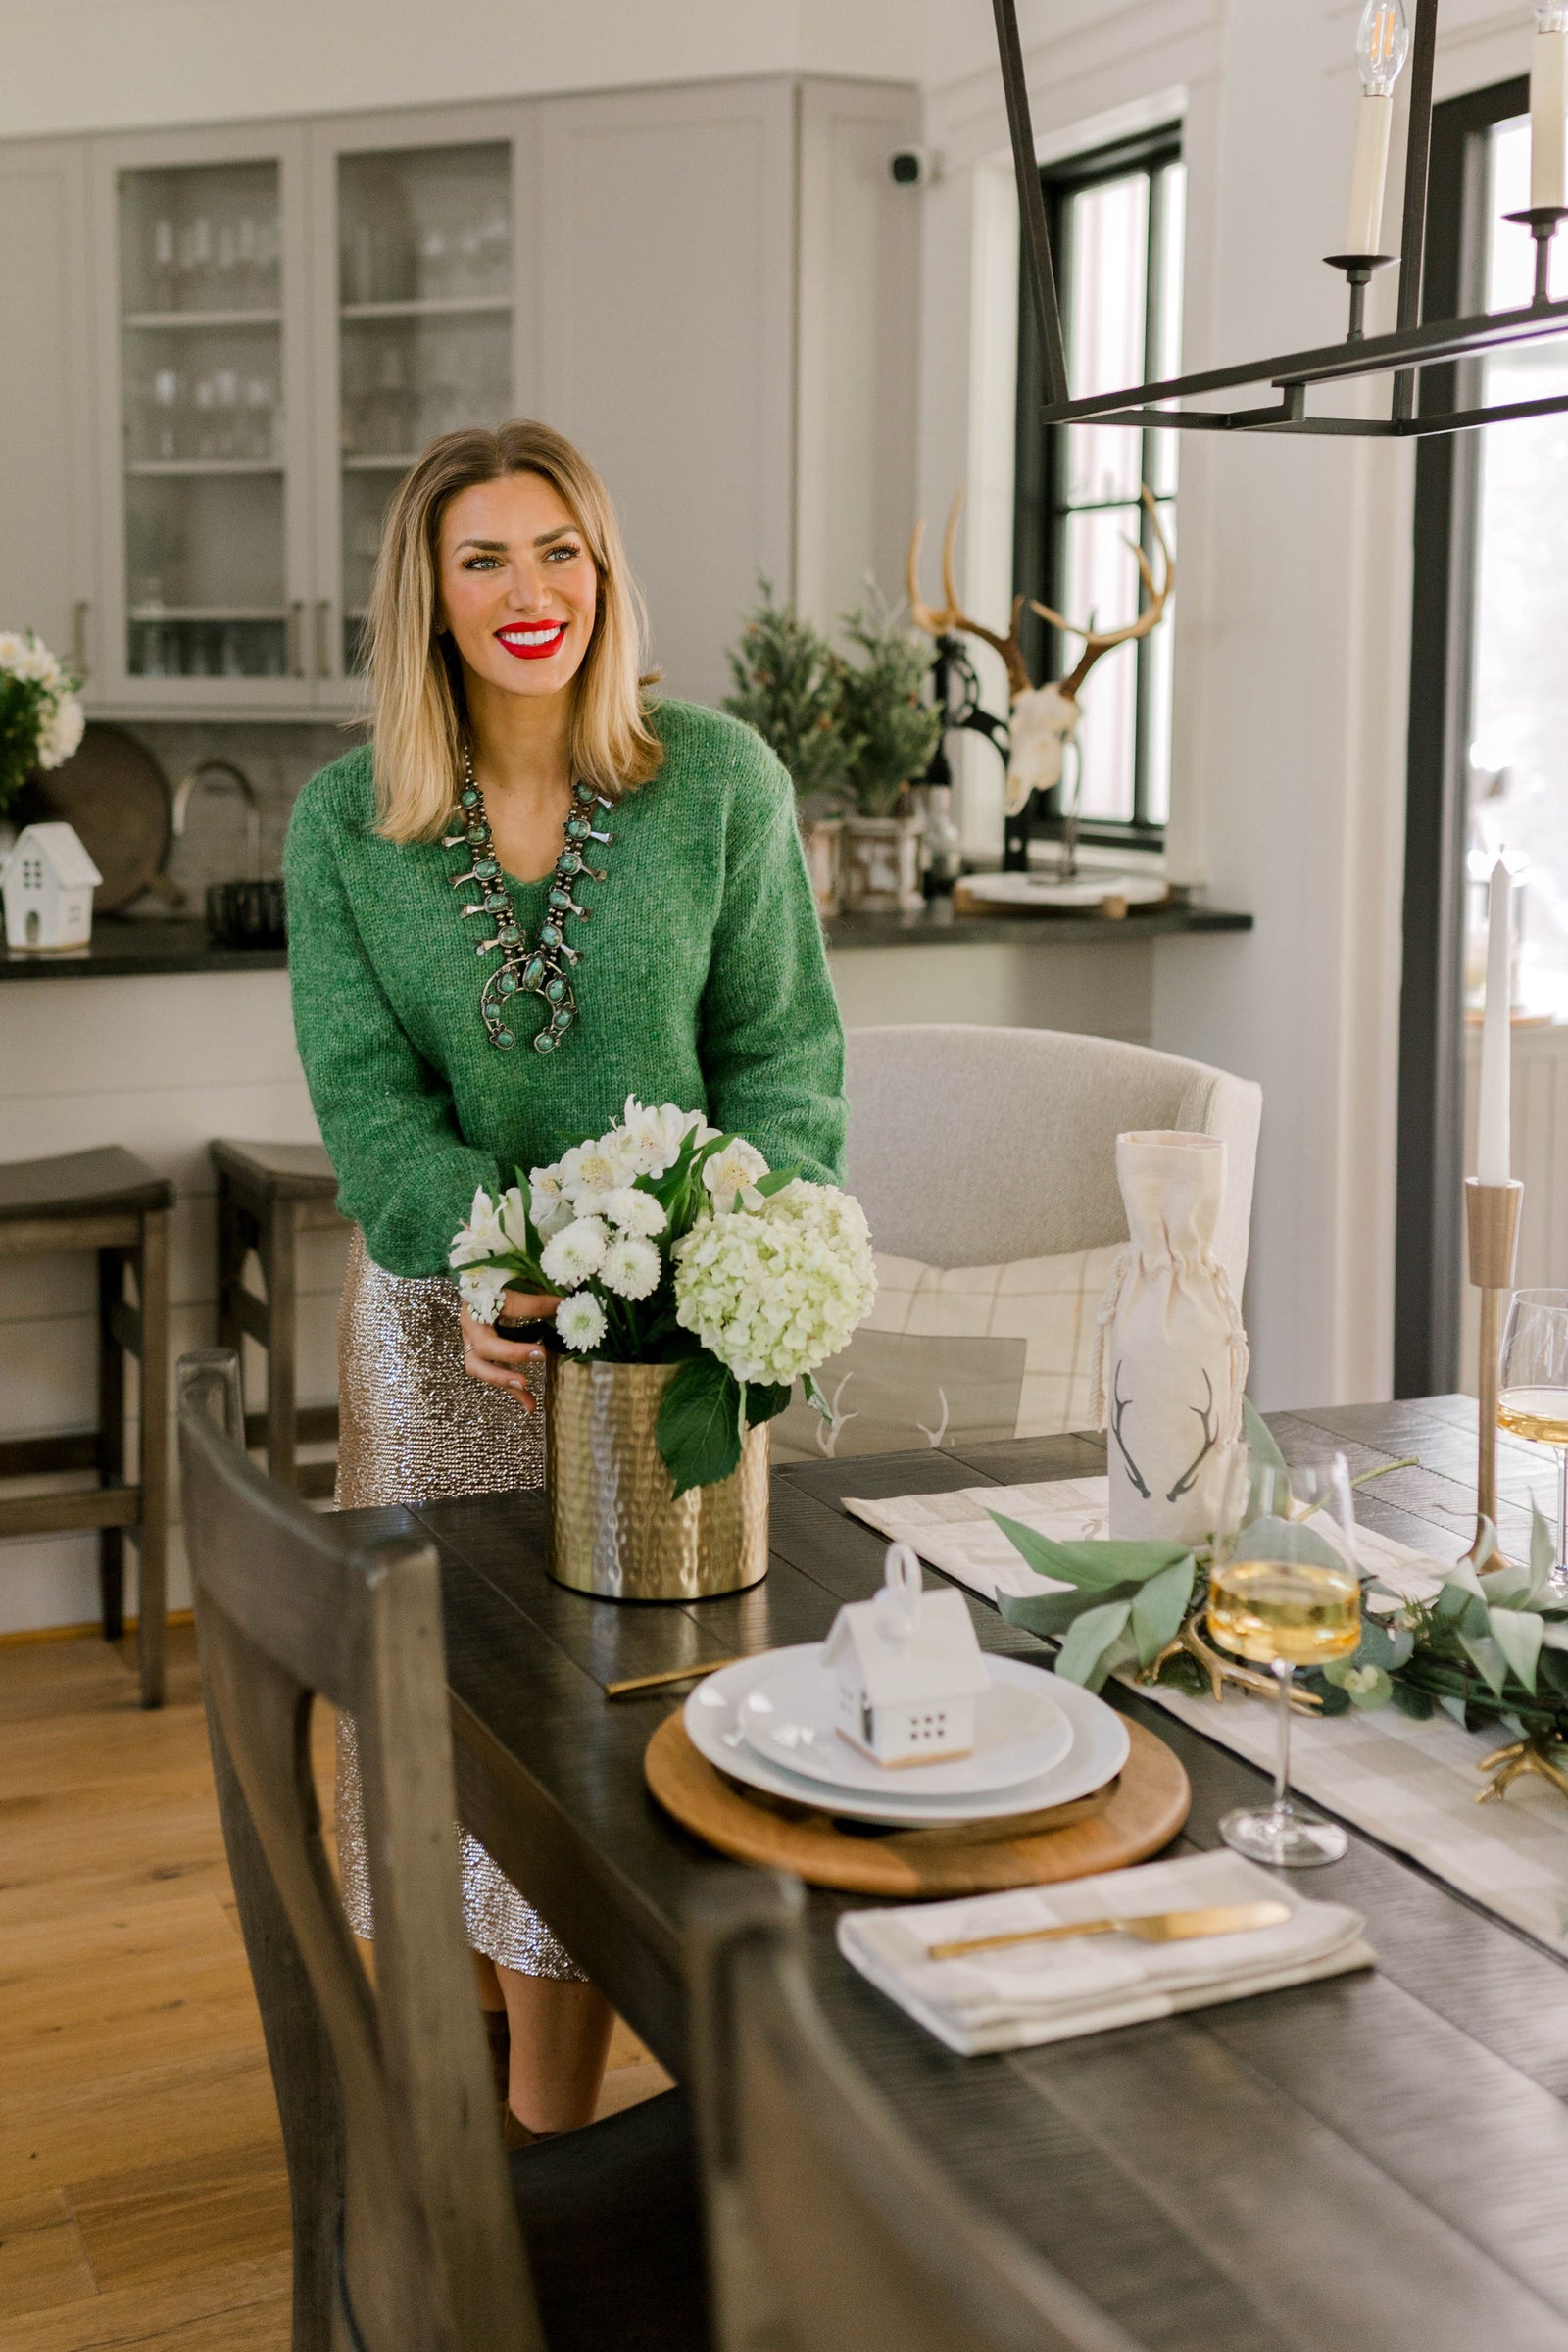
<point x="776" y="1179"/>
<point x="1052" y="1613"/>
<point x="814" y="1397"/>
<point x="1488" y="1657"/>
<point x="1416" y="1703"/>
<point x="1082" y="1657"/>
<point x="1160" y="1608"/>
<point x="1385" y="1646"/>
<point x="1363" y="1685"/>
<point x="1542" y="1550"/>
<point x="1485" y="1544"/>
<point x="764" y="1400"/>
<point x="1091" y="1565"/>
<point x="1260" y="1441"/>
<point x="1330" y="1699"/>
<point x="1517" y="1634"/>
<point x="700" y="1423"/>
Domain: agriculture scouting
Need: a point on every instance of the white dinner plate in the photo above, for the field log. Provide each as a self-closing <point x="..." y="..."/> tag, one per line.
<point x="1097" y="1754"/>
<point x="791" y="1717"/>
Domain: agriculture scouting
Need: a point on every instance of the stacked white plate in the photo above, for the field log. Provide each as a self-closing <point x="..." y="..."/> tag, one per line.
<point x="769" y="1722"/>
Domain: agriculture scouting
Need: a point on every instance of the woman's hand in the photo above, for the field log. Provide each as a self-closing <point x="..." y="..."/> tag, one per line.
<point x="499" y="1361"/>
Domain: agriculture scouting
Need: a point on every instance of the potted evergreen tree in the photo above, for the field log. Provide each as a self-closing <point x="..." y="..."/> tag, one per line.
<point x="890" y="733"/>
<point x="786" y="686"/>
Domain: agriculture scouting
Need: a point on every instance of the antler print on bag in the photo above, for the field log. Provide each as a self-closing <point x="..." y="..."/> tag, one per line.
<point x="1208" y="1423"/>
<point x="1118" y="1407"/>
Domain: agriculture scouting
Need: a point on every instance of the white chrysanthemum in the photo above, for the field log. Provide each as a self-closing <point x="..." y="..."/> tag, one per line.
<point x="731" y="1175"/>
<point x="633" y="1211"/>
<point x="650" y="1135"/>
<point x="482" y="1237"/>
<point x="35" y="662"/>
<point x="580" y="1321"/>
<point x="774" y="1292"/>
<point x="578" y="1250"/>
<point x="632" y="1267"/>
<point x="482" y="1289"/>
<point x="11" y="647"/>
<point x="590" y="1170"/>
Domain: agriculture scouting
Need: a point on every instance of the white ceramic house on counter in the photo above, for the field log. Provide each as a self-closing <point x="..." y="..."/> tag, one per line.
<point x="47" y="884"/>
<point x="908" y="1668"/>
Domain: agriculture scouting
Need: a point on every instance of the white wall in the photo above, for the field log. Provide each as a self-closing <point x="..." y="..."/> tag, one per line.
<point x="1293" y="622"/>
<point x="99" y="65"/>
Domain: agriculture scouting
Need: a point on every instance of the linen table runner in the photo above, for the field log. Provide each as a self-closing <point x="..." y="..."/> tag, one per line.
<point x="1412" y="1784"/>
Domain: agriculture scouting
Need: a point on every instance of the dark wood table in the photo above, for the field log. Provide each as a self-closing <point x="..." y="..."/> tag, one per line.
<point x="1378" y="2163"/>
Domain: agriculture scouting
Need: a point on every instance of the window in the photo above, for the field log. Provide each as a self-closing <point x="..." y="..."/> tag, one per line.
<point x="1116" y="222"/>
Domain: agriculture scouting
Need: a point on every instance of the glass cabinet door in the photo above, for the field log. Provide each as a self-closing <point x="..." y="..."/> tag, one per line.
<point x="425" y="329"/>
<point x="206" y="580"/>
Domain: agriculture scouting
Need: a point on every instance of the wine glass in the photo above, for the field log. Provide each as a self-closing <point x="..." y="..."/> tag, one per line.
<point x="1533" y="1393"/>
<point x="1284" y="1592"/>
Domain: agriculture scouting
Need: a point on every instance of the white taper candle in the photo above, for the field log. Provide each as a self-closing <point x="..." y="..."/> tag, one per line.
<point x="1548" y="109"/>
<point x="1494" y="1158"/>
<point x="1368" y="173"/>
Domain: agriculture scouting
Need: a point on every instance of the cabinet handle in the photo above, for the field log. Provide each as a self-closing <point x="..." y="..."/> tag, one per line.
<point x="79" y="639"/>
<point x="296" y="630"/>
<point x="323" y="637"/>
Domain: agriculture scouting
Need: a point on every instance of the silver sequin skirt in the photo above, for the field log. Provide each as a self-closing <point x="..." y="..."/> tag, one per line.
<point x="415" y="1427"/>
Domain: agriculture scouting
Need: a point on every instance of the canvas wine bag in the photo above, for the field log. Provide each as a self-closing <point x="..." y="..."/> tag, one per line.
<point x="1170" y="1354"/>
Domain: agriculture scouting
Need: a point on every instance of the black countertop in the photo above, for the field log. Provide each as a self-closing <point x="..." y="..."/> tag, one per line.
<point x="121" y="950"/>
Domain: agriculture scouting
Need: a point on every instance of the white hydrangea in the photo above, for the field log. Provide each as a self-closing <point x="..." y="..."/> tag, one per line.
<point x="482" y="1289"/>
<point x="56" y="716"/>
<point x="731" y="1174"/>
<point x="60" y="732"/>
<point x="774" y="1292"/>
<point x="578" y="1250"/>
<point x="580" y="1321"/>
<point x="633" y="1211"/>
<point x="632" y="1267"/>
<point x="483" y="1236"/>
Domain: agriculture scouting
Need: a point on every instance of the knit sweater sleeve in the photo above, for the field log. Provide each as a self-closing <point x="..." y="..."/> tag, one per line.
<point x="772" y="1044"/>
<point x="405" y="1174"/>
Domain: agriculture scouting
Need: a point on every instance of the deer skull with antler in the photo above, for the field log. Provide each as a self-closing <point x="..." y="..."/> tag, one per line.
<point x="1043" y="718"/>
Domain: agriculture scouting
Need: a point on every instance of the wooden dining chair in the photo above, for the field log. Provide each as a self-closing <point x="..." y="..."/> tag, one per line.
<point x="412" y="2231"/>
<point x="830" y="2230"/>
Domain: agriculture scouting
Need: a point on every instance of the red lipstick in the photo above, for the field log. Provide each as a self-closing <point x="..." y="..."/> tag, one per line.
<point x="532" y="641"/>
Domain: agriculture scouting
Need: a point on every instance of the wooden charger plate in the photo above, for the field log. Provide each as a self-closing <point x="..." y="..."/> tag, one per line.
<point x="1140" y="1811"/>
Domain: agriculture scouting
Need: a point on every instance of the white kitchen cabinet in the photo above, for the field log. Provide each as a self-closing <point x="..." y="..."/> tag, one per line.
<point x="713" y="287"/>
<point x="46" y="375"/>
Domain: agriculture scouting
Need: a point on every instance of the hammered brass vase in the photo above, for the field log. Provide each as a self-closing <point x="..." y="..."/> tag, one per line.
<point x="617" y="1527"/>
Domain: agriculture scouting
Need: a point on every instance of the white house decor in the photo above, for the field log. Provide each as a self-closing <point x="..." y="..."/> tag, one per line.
<point x="47" y="884"/>
<point x="40" y="717"/>
<point x="907" y="1670"/>
<point x="1170" y="1366"/>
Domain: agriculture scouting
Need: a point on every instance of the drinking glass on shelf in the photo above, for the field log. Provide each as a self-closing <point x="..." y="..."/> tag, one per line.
<point x="1284" y="1592"/>
<point x="1533" y="1393"/>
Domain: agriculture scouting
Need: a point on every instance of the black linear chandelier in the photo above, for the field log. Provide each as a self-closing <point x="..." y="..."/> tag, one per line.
<point x="1383" y="44"/>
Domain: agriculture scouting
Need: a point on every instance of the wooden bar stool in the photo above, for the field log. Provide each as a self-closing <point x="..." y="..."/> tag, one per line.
<point x="112" y="1202"/>
<point x="268" y="1196"/>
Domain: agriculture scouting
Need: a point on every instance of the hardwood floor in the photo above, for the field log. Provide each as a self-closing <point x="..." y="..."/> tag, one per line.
<point x="142" y="2192"/>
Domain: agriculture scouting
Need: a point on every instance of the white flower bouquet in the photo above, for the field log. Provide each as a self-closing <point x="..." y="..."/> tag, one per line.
<point x="670" y="1243"/>
<point x="40" y="717"/>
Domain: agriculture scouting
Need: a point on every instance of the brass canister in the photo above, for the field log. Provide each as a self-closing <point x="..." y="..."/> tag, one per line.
<point x="617" y="1527"/>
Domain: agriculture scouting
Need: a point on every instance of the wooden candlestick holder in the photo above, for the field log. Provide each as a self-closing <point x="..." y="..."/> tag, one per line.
<point x="1491" y="1218"/>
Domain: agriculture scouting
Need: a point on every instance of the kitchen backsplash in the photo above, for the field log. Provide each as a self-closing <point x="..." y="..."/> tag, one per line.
<point x="277" y="759"/>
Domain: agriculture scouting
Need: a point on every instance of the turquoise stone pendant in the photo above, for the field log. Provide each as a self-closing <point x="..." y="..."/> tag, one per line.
<point x="538" y="971"/>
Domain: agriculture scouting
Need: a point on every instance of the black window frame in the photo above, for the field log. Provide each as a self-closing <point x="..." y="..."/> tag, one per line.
<point x="1428" y="1247"/>
<point x="1040" y="508"/>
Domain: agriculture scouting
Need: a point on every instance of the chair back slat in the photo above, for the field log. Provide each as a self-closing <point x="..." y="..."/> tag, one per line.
<point x="384" y="2093"/>
<point x="832" y="2231"/>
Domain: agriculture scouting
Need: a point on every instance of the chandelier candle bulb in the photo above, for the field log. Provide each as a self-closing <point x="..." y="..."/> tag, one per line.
<point x="1493" y="1151"/>
<point x="1549" y="106"/>
<point x="1368" y="173"/>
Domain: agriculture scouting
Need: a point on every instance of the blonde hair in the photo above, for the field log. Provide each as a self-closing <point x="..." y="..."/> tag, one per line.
<point x="415" y="672"/>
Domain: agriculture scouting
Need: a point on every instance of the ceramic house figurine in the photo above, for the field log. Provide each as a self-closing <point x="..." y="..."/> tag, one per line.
<point x="907" y="1670"/>
<point x="47" y="884"/>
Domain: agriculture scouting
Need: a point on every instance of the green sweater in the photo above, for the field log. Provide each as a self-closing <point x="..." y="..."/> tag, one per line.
<point x="703" y="982"/>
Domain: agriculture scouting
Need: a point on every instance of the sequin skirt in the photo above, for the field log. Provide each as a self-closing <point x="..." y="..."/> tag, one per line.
<point x="415" y="1427"/>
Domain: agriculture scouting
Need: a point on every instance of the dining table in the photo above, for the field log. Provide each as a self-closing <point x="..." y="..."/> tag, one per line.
<point x="1374" y="2162"/>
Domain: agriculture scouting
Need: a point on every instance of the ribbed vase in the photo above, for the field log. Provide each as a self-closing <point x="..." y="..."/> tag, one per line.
<point x="616" y="1527"/>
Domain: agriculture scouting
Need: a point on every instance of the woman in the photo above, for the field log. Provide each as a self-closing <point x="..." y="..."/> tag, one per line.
<point x="505" y="653"/>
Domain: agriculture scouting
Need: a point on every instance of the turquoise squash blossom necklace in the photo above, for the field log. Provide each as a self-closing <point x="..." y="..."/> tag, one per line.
<point x="525" y="970"/>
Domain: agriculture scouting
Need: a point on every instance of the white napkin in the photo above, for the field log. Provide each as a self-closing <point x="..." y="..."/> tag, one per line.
<point x="1039" y="1993"/>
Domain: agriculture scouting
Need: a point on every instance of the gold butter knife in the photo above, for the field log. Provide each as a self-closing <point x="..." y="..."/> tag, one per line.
<point x="1149" y="1927"/>
<point x="630" y="1686"/>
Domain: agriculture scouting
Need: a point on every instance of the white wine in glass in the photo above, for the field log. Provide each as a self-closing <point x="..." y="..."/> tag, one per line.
<point x="1284" y="1592"/>
<point x="1532" y="1390"/>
